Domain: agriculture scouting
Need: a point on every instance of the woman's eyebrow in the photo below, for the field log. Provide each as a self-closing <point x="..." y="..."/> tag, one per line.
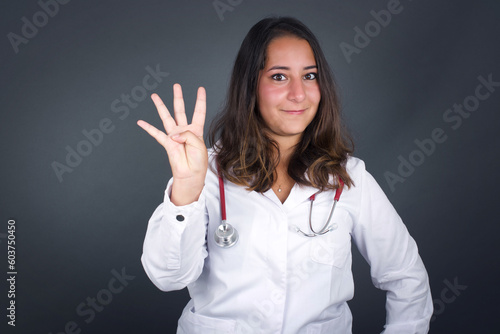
<point x="286" y="68"/>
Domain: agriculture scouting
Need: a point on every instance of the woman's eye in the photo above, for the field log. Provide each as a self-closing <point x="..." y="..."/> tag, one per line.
<point x="310" y="76"/>
<point x="278" y="77"/>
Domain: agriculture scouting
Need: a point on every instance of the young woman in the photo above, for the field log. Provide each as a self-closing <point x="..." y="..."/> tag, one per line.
<point x="282" y="157"/>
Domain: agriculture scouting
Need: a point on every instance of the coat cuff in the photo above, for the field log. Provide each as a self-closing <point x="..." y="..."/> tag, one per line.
<point x="177" y="220"/>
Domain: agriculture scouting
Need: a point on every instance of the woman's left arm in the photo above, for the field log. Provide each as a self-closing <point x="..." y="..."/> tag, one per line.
<point x="392" y="254"/>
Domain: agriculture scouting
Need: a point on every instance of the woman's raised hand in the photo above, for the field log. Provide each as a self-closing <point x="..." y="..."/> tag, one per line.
<point x="184" y="144"/>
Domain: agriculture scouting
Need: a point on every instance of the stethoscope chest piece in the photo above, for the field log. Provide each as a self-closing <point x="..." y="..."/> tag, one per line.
<point x="225" y="235"/>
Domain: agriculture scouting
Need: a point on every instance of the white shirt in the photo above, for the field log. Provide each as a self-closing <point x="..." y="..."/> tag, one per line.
<point x="274" y="280"/>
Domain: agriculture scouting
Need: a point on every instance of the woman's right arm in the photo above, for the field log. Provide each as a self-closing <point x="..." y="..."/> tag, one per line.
<point x="174" y="248"/>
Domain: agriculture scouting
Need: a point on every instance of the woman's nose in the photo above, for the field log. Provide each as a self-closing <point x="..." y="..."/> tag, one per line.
<point x="296" y="91"/>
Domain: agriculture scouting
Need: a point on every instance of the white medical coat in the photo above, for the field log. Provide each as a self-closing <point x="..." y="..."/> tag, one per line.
<point x="274" y="280"/>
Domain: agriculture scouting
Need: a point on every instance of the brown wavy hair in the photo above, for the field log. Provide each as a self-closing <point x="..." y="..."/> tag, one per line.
<point x="246" y="155"/>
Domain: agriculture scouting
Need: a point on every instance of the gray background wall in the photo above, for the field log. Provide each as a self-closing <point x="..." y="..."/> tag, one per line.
<point x="67" y="76"/>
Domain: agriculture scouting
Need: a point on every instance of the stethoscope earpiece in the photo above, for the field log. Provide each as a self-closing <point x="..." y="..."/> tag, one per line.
<point x="326" y="227"/>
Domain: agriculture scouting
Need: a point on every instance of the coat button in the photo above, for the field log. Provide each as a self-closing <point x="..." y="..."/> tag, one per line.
<point x="180" y="218"/>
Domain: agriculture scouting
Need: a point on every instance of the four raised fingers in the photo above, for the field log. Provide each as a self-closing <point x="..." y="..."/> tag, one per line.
<point x="179" y="124"/>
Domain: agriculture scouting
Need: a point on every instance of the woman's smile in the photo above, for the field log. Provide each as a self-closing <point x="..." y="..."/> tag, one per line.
<point x="295" y="111"/>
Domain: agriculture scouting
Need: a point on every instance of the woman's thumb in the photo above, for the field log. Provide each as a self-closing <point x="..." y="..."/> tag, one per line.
<point x="178" y="138"/>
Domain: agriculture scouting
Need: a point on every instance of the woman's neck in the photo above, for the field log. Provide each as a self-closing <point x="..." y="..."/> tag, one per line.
<point x="286" y="146"/>
<point x="284" y="183"/>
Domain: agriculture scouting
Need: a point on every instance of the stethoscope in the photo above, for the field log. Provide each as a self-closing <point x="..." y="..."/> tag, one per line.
<point x="326" y="227"/>
<point x="226" y="235"/>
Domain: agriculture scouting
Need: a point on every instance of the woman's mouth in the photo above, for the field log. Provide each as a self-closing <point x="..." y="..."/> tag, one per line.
<point x="295" y="111"/>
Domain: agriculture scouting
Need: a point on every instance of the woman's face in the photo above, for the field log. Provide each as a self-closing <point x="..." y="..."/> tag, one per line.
<point x="288" y="90"/>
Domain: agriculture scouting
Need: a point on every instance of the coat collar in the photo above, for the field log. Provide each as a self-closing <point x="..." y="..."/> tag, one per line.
<point x="297" y="196"/>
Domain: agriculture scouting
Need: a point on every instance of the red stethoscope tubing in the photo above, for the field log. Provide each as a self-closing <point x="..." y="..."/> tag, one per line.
<point x="222" y="198"/>
<point x="338" y="192"/>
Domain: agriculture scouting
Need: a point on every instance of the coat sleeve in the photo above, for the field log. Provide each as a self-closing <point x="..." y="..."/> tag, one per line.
<point x="174" y="247"/>
<point x="395" y="264"/>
